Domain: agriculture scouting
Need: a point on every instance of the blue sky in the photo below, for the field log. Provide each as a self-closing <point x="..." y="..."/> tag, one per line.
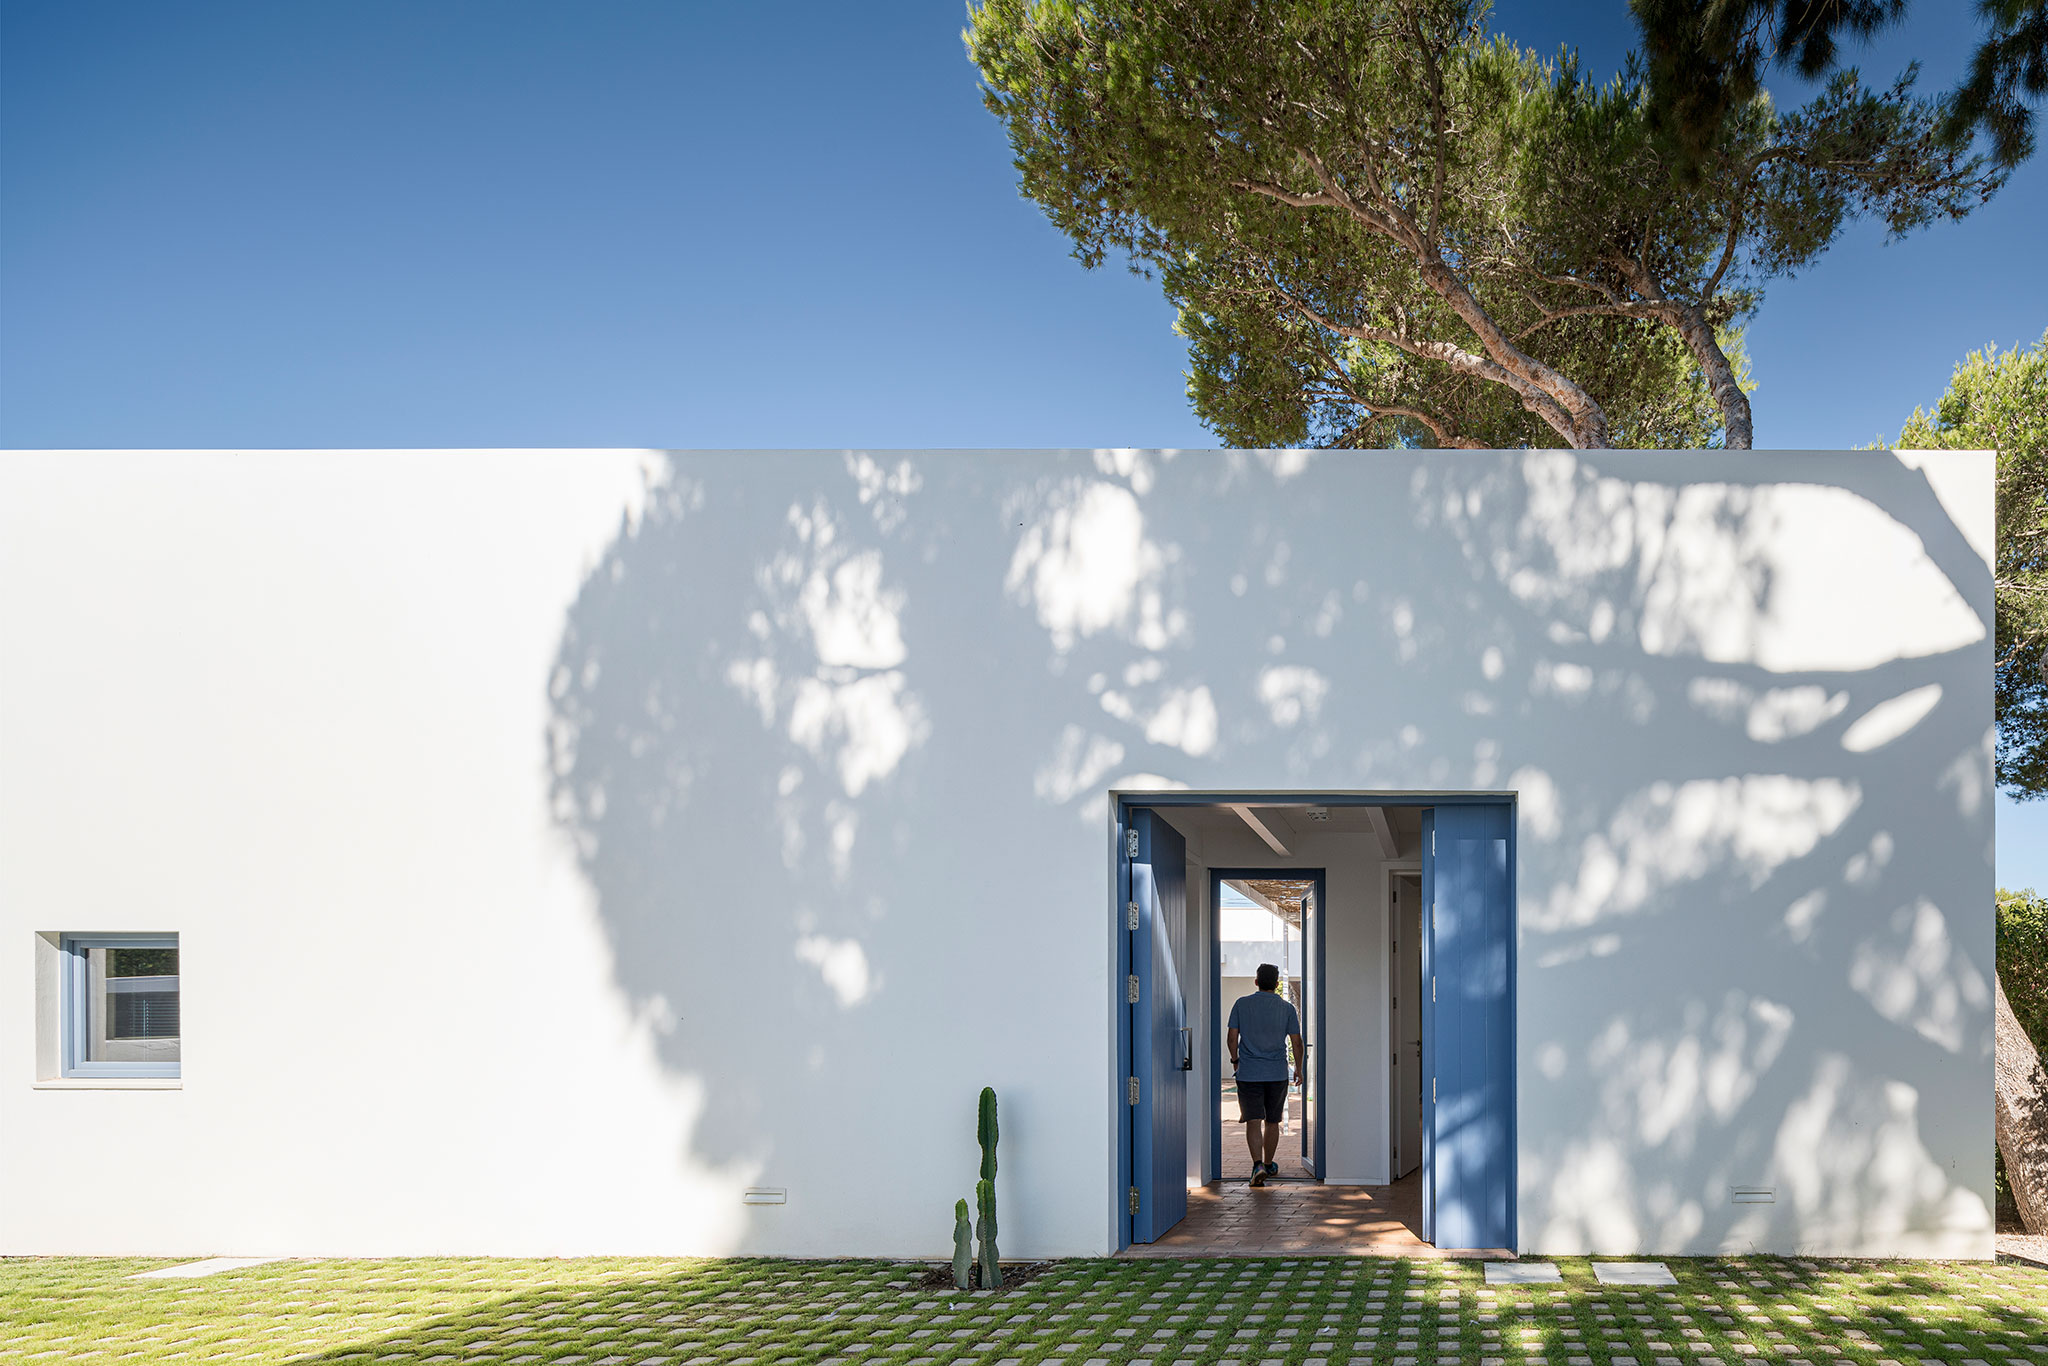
<point x="651" y="222"/>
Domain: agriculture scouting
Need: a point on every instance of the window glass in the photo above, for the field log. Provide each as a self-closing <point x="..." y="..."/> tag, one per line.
<point x="131" y="1005"/>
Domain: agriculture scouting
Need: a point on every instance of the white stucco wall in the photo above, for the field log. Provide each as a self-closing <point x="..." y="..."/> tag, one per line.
<point x="508" y="735"/>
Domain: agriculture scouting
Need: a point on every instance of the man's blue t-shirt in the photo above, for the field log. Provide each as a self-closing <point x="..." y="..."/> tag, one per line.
<point x="1263" y="1020"/>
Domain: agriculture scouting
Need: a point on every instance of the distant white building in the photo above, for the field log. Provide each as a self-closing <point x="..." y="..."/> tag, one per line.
<point x="1245" y="918"/>
<point x="623" y="851"/>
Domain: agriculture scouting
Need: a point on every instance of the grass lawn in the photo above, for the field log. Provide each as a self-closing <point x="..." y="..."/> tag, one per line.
<point x="1307" y="1312"/>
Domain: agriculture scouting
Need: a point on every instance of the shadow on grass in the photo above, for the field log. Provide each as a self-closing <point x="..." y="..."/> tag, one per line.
<point x="734" y="1313"/>
<point x="774" y="1309"/>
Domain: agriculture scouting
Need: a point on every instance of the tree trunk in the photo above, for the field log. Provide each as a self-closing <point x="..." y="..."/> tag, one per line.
<point x="2022" y="1115"/>
<point x="1737" y="425"/>
<point x="1573" y="413"/>
<point x="1736" y="422"/>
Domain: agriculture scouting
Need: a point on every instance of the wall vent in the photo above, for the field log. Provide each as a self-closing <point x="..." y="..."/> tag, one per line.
<point x="1752" y="1195"/>
<point x="765" y="1195"/>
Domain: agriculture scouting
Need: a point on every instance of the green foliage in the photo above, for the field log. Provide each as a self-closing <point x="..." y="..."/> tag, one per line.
<point x="1380" y="224"/>
<point x="2000" y="402"/>
<point x="1708" y="60"/>
<point x="2023" y="961"/>
<point x="985" y="1132"/>
<point x="963" y="1247"/>
<point x="2007" y="72"/>
<point x="142" y="962"/>
<point x="985" y="1231"/>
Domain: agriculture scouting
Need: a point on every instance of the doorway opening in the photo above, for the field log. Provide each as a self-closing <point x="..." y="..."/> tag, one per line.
<point x="1389" y="919"/>
<point x="1266" y="918"/>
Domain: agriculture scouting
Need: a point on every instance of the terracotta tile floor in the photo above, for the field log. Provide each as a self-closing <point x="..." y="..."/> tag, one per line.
<point x="1293" y="1218"/>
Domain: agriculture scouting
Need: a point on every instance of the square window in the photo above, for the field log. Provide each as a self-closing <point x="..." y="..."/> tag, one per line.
<point x="120" y="1005"/>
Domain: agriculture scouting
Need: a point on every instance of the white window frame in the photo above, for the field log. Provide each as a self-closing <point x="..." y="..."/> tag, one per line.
<point x="73" y="1005"/>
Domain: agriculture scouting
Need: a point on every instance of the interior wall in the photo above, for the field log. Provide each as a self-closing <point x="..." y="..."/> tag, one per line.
<point x="1194" y="971"/>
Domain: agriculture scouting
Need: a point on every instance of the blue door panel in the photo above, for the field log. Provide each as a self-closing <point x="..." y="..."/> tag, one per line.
<point x="1428" y="1029"/>
<point x="1158" y="1023"/>
<point x="1126" y="1179"/>
<point x="1469" y="948"/>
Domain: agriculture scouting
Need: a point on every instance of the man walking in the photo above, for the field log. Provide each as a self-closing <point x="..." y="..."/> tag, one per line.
<point x="1262" y="1026"/>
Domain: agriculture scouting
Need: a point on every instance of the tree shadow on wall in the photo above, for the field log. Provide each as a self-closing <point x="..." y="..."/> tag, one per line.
<point x="857" y="713"/>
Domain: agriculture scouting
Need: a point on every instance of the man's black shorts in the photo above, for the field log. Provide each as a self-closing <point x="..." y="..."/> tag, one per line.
<point x="1265" y="1100"/>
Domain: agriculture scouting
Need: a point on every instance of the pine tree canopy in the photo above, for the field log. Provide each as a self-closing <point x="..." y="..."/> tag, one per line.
<point x="1380" y="223"/>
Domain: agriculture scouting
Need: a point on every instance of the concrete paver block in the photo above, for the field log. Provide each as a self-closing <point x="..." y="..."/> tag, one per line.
<point x="212" y="1266"/>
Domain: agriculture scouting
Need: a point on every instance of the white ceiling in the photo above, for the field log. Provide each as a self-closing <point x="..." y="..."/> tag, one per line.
<point x="1295" y="820"/>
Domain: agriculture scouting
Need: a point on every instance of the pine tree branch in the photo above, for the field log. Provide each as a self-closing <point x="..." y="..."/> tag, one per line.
<point x="1616" y="310"/>
<point x="1449" y="353"/>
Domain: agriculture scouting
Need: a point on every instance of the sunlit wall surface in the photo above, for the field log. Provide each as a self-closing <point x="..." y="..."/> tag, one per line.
<point x="561" y="845"/>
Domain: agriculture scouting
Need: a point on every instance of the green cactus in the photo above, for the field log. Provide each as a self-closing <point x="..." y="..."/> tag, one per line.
<point x="963" y="1248"/>
<point x="985" y="1190"/>
<point x="985" y="1132"/>
<point x="991" y="1267"/>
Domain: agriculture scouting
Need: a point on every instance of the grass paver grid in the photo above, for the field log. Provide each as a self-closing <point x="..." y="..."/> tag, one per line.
<point x="1295" y="1312"/>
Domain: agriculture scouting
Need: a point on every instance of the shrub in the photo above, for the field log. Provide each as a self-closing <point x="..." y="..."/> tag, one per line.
<point x="2023" y="960"/>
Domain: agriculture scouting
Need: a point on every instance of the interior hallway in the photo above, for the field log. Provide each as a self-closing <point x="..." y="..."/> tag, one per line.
<point x="1233" y="1219"/>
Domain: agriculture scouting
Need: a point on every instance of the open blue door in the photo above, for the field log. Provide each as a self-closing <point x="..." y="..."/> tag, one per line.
<point x="1468" y="1027"/>
<point x="1161" y="1043"/>
<point x="1428" y="1029"/>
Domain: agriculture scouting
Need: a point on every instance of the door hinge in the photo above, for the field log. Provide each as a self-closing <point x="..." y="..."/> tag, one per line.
<point x="1432" y="1090"/>
<point x="1134" y="1090"/>
<point x="1432" y="987"/>
<point x="1134" y="1199"/>
<point x="1131" y="843"/>
<point x="1131" y="916"/>
<point x="1131" y="989"/>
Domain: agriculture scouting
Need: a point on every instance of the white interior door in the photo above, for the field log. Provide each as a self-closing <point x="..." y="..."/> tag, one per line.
<point x="1311" y="1033"/>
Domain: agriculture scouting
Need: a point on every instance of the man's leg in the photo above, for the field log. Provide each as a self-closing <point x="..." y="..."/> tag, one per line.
<point x="1274" y="1117"/>
<point x="1252" y="1137"/>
